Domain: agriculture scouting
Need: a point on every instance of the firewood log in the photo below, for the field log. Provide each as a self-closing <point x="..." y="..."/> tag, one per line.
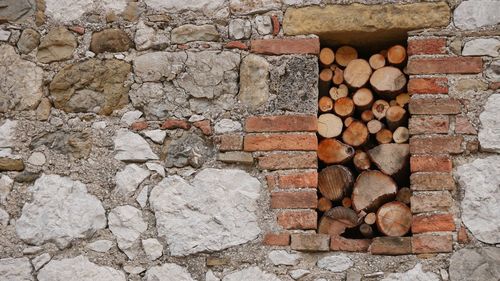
<point x="366" y="230"/>
<point x="371" y="190"/>
<point x="325" y="80"/>
<point x="383" y="53"/>
<point x="345" y="215"/>
<point x="345" y="55"/>
<point x="396" y="54"/>
<point x="363" y="99"/>
<point x="346" y="202"/>
<point x="403" y="99"/>
<point x="384" y="136"/>
<point x="367" y="116"/>
<point x="401" y="135"/>
<point x="393" y="102"/>
<point x="330" y="226"/>
<point x="377" y="61"/>
<point x="338" y="75"/>
<point x="326" y="56"/>
<point x="348" y="121"/>
<point x="394" y="219"/>
<point x="404" y="195"/>
<point x="344" y="107"/>
<point x="388" y="81"/>
<point x="370" y="218"/>
<point x="392" y="159"/>
<point x="395" y="117"/>
<point x="337" y="93"/>
<point x="335" y="182"/>
<point x="379" y="109"/>
<point x="332" y="151"/>
<point x="329" y="125"/>
<point x="325" y="104"/>
<point x="356" y="134"/>
<point x="357" y="73"/>
<point x="374" y="126"/>
<point x="324" y="204"/>
<point x="361" y="161"/>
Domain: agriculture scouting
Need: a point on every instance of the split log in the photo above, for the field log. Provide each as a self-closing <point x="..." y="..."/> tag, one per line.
<point x="325" y="80"/>
<point x="363" y="99"/>
<point x="345" y="55"/>
<point x="324" y="204"/>
<point x="394" y="219"/>
<point x="366" y="230"/>
<point x="335" y="182"/>
<point x="374" y="126"/>
<point x="357" y="73"/>
<point x="338" y="75"/>
<point x="371" y="190"/>
<point x="367" y="116"/>
<point x="392" y="159"/>
<point x="348" y="121"/>
<point x="346" y="202"/>
<point x="384" y="136"/>
<point x="388" y="81"/>
<point x="345" y="215"/>
<point x="370" y="218"/>
<point x="404" y="195"/>
<point x="361" y="161"/>
<point x="356" y="134"/>
<point x="379" y="109"/>
<point x="395" y="117"/>
<point x="403" y="99"/>
<point x="401" y="135"/>
<point x="344" y="107"/>
<point x="332" y="151"/>
<point x="330" y="226"/>
<point x="336" y="93"/>
<point x="343" y="90"/>
<point x="326" y="56"/>
<point x="393" y="102"/>
<point x="377" y="61"/>
<point x="325" y="104"/>
<point x="329" y="125"/>
<point x="396" y="55"/>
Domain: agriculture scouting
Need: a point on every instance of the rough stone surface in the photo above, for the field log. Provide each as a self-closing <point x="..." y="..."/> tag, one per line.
<point x="227" y="126"/>
<point x="207" y="7"/>
<point x="37" y="159"/>
<point x="110" y="40"/>
<point x="493" y="71"/>
<point x="240" y="29"/>
<point x="29" y="40"/>
<point x="190" y="32"/>
<point x="489" y="134"/>
<point x="7" y="135"/>
<point x="414" y="274"/>
<point x="78" y="269"/>
<point x="16" y="10"/>
<point x="4" y="217"/>
<point x="282" y="257"/>
<point x="158" y="101"/>
<point x="142" y="197"/>
<point x="66" y="10"/>
<point x="40" y="261"/>
<point x="130" y="117"/>
<point x="147" y="37"/>
<point x="129" y="179"/>
<point x="189" y="149"/>
<point x="159" y="66"/>
<point x="190" y="228"/>
<point x="476" y="13"/>
<point x="244" y="7"/>
<point x="475" y="264"/>
<point x="132" y="147"/>
<point x="153" y="248"/>
<point x="101" y="246"/>
<point x="482" y="47"/>
<point x="5" y="187"/>
<point x="127" y="224"/>
<point x="77" y="145"/>
<point x="57" y="45"/>
<point x="41" y="220"/>
<point x="15" y="269"/>
<point x="480" y="206"/>
<point x="263" y="24"/>
<point x="254" y="81"/>
<point x="4" y="35"/>
<point x="168" y="271"/>
<point x="158" y="136"/>
<point x="336" y="263"/>
<point x="250" y="274"/>
<point x="298" y="273"/>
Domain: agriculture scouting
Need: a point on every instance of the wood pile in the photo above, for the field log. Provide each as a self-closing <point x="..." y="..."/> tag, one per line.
<point x="363" y="143"/>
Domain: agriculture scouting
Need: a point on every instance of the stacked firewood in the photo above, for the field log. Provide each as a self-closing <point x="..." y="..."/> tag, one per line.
<point x="363" y="143"/>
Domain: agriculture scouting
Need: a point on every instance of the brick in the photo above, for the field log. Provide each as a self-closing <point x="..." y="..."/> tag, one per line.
<point x="277" y="239"/>
<point x="431" y="201"/>
<point x="230" y="142"/>
<point x="464" y="126"/>
<point x="462" y="236"/>
<point x="175" y="124"/>
<point x="429" y="125"/>
<point x="271" y="182"/>
<point x="276" y="25"/>
<point x="426" y="244"/>
<point x="436" y="145"/>
<point x="294" y="200"/>
<point x="391" y="246"/>
<point x="270" y="142"/>
<point x="447" y="65"/>
<point x="494" y="86"/>
<point x="236" y="157"/>
<point x="339" y="243"/>
<point x="432" y="223"/>
<point x="427" y="163"/>
<point x="298" y="180"/>
<point x="281" y="123"/>
<point x="310" y="242"/>
<point x="281" y="161"/>
<point x="432" y="181"/>
<point x="307" y="219"/>
<point x="236" y="45"/>
<point x="428" y="86"/>
<point x="139" y="125"/>
<point x="434" y="106"/>
<point x="285" y="46"/>
<point x="427" y="46"/>
<point x="78" y="29"/>
<point x="204" y="126"/>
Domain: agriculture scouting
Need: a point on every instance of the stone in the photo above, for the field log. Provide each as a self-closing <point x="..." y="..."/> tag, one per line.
<point x="482" y="47"/>
<point x="474" y="14"/>
<point x="298" y="273"/>
<point x="12" y="269"/>
<point x="250" y="274"/>
<point x="91" y="86"/>
<point x="158" y="168"/>
<point x="210" y="276"/>
<point x="78" y="269"/>
<point x="99" y="125"/>
<point x="445" y="276"/>
<point x="240" y="29"/>
<point x="282" y="257"/>
<point x="26" y="177"/>
<point x="110" y="40"/>
<point x="7" y="135"/>
<point x="4" y="217"/>
<point x="353" y="276"/>
<point x="33" y="250"/>
<point x="37" y="159"/>
<point x="128" y="179"/>
<point x="16" y="10"/>
<point x="134" y="269"/>
<point x="25" y="90"/>
<point x="101" y="246"/>
<point x="153" y="248"/>
<point x="463" y="85"/>
<point x="159" y="66"/>
<point x="29" y="40"/>
<point x="78" y="145"/>
<point x="480" y="204"/>
<point x="185" y="212"/>
<point x="43" y="109"/>
<point x="414" y="274"/>
<point x="489" y="134"/>
<point x="492" y="71"/>
<point x="263" y="24"/>
<point x="159" y="101"/>
<point x="132" y="147"/>
<point x="130" y="117"/>
<point x="227" y="126"/>
<point x="190" y="32"/>
<point x="246" y="7"/>
<point x="475" y="264"/>
<point x="9" y="164"/>
<point x="66" y="10"/>
<point x="58" y="45"/>
<point x="127" y="224"/>
<point x="40" y="261"/>
<point x="189" y="149"/>
<point x="168" y="271"/>
<point x="254" y="81"/>
<point x="147" y="37"/>
<point x="336" y="263"/>
<point x="236" y="157"/>
<point x="5" y="187"/>
<point x="4" y="35"/>
<point x="42" y="221"/>
<point x="207" y="7"/>
<point x="117" y="6"/>
<point x="142" y="197"/>
<point x="157" y="136"/>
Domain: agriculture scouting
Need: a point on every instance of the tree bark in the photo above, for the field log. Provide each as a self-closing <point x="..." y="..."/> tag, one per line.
<point x="335" y="182"/>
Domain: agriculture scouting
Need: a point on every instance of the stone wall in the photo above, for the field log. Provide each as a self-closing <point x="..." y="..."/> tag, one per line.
<point x="174" y="140"/>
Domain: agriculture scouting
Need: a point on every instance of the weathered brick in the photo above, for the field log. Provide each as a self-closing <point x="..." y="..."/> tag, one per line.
<point x="427" y="46"/>
<point x="271" y="181"/>
<point x="428" y="85"/>
<point x="204" y="126"/>
<point x="427" y="163"/>
<point x="432" y="223"/>
<point x="464" y="126"/>
<point x="175" y="124"/>
<point x="236" y="157"/>
<point x="285" y="46"/>
<point x="447" y="65"/>
<point x="426" y="244"/>
<point x="294" y="200"/>
<point x="429" y="125"/>
<point x="277" y="239"/>
<point x="230" y="142"/>
<point x="281" y="123"/>
<point x="281" y="161"/>
<point x="139" y="125"/>
<point x="434" y="106"/>
<point x="430" y="201"/>
<point x="298" y="180"/>
<point x="462" y="236"/>
<point x="236" y="45"/>
<point x="436" y="145"/>
<point x="276" y="25"/>
<point x="494" y="86"/>
<point x="391" y="246"/>
<point x="310" y="242"/>
<point x="339" y="243"/>
<point x="304" y="219"/>
<point x="432" y="181"/>
<point x="270" y="142"/>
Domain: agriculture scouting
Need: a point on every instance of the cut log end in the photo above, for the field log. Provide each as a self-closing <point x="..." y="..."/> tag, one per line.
<point x="370" y="218"/>
<point x="334" y="182"/>
<point x="356" y="134"/>
<point x="326" y="56"/>
<point x="332" y="151"/>
<point x="396" y="55"/>
<point x="361" y="161"/>
<point x="329" y="125"/>
<point x="379" y="109"/>
<point x="324" y="204"/>
<point x="395" y="117"/>
<point x="367" y="116"/>
<point x="371" y="190"/>
<point x="325" y="104"/>
<point x="384" y="136"/>
<point x="404" y="195"/>
<point x="344" y="107"/>
<point x="357" y="73"/>
<point x="388" y="81"/>
<point x="401" y="135"/>
<point x="377" y="61"/>
<point x="363" y="99"/>
<point x="394" y="219"/>
<point x="345" y="55"/>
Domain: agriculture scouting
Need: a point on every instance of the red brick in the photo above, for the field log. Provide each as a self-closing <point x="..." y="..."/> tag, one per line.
<point x="436" y="145"/>
<point x="298" y="219"/>
<point x="432" y="223"/>
<point x="427" y="46"/>
<point x="270" y="142"/>
<point x="281" y="123"/>
<point x="276" y="25"/>
<point x="434" y="106"/>
<point x="285" y="46"/>
<point x="494" y="86"/>
<point x="428" y="86"/>
<point x="230" y="142"/>
<point x="294" y="200"/>
<point x="282" y="161"/>
<point x="139" y="125"/>
<point x="277" y="239"/>
<point x="204" y="126"/>
<point x="339" y="243"/>
<point x="462" y="236"/>
<point x="78" y="29"/>
<point x="426" y="244"/>
<point x="391" y="246"/>
<point x="175" y="124"/>
<point x="271" y="182"/>
<point x="236" y="45"/>
<point x="429" y="125"/>
<point x="447" y="65"/>
<point x="298" y="180"/>
<point x="436" y="163"/>
<point x="464" y="126"/>
<point x="432" y="181"/>
<point x="431" y="201"/>
<point x="310" y="242"/>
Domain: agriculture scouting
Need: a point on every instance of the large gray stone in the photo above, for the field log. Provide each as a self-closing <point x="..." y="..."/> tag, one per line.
<point x="250" y="274"/>
<point x="5" y="187"/>
<point x="159" y="101"/>
<point x="473" y="14"/>
<point x="193" y="217"/>
<point x="282" y="257"/>
<point x="189" y="149"/>
<point x="336" y="263"/>
<point x="43" y="220"/>
<point x="16" y="10"/>
<point x="4" y="217"/>
<point x="7" y="134"/>
<point x="57" y="45"/>
<point x="131" y="147"/>
<point x="492" y="71"/>
<point x="128" y="179"/>
<point x="475" y="264"/>
<point x="207" y="7"/>
<point x="414" y="274"/>
<point x="28" y="41"/>
<point x="482" y="47"/>
<point x="166" y="272"/>
<point x="15" y="269"/>
<point x="78" y="269"/>
<point x="489" y="134"/>
<point x="480" y="206"/>
<point x="147" y="37"/>
<point x="77" y="144"/>
<point x="190" y="32"/>
<point x="127" y="224"/>
<point x="67" y="10"/>
<point x="159" y="66"/>
<point x="254" y="81"/>
<point x="240" y="29"/>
